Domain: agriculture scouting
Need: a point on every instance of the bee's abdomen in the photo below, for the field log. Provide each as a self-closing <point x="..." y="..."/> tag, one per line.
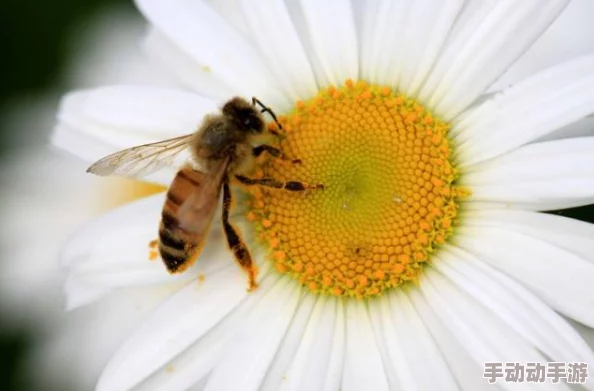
<point x="175" y="252"/>
<point x="177" y="246"/>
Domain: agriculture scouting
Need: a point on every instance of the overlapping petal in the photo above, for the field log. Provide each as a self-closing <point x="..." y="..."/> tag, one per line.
<point x="469" y="322"/>
<point x="569" y="36"/>
<point x="570" y="234"/>
<point x="486" y="39"/>
<point x="249" y="353"/>
<point x="330" y="47"/>
<point x="407" y="347"/>
<point x="559" y="277"/>
<point x="535" y="107"/>
<point x="467" y="371"/>
<point x="173" y="327"/>
<point x="311" y="367"/>
<point x="389" y="35"/>
<point x="276" y="374"/>
<point x="559" y="172"/>
<point x="206" y="37"/>
<point x="284" y="52"/>
<point x="164" y="52"/>
<point x="515" y="305"/>
<point x="193" y="365"/>
<point x="363" y="366"/>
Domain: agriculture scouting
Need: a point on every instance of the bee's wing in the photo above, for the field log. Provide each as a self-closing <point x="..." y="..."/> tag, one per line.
<point x="142" y="160"/>
<point x="196" y="212"/>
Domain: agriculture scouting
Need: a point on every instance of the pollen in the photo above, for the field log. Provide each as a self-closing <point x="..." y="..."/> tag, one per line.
<point x="389" y="200"/>
<point x="153" y="249"/>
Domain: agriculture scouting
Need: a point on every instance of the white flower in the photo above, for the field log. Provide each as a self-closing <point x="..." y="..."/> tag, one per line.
<point x="443" y="192"/>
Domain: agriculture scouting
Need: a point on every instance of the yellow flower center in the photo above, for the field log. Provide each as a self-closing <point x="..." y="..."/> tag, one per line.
<point x="388" y="201"/>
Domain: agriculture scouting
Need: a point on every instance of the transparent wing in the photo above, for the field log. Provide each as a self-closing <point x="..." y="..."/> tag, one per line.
<point x="196" y="212"/>
<point x="142" y="160"/>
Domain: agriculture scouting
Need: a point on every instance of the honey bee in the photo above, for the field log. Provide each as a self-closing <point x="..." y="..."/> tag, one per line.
<point x="223" y="148"/>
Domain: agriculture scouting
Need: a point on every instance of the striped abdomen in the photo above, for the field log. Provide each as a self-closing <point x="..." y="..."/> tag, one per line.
<point x="189" y="207"/>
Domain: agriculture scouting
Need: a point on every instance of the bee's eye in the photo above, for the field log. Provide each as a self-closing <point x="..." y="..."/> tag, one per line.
<point x="252" y="124"/>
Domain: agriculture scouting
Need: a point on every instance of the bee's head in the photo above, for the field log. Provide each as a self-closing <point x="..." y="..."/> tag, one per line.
<point x="245" y="116"/>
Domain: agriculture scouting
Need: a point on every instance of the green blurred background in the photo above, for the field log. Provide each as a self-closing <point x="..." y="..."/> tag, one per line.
<point x="40" y="37"/>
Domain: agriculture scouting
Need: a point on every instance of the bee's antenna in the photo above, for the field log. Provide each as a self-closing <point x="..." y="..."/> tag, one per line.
<point x="265" y="109"/>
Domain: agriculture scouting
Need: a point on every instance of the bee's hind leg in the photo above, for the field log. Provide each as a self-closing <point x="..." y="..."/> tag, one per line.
<point x="236" y="244"/>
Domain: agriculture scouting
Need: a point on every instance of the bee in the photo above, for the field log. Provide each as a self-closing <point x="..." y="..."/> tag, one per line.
<point x="222" y="148"/>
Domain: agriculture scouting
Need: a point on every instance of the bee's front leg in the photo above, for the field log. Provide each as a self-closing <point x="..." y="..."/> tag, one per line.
<point x="274" y="152"/>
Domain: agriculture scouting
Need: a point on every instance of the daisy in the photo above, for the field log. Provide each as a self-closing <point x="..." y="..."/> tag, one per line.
<point x="425" y="255"/>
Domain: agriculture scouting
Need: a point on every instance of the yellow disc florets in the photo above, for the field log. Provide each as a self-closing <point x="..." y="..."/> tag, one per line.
<point x="388" y="200"/>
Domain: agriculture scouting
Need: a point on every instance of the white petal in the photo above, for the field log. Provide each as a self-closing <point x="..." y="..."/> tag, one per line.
<point x="381" y="37"/>
<point x="582" y="128"/>
<point x="569" y="36"/>
<point x="333" y="375"/>
<point x="113" y="252"/>
<point x="421" y="352"/>
<point x="540" y="206"/>
<point x="146" y="211"/>
<point x="487" y="38"/>
<point x="79" y="293"/>
<point x="428" y="22"/>
<point x="394" y="43"/>
<point x="515" y="305"/>
<point x="250" y="352"/>
<point x="389" y="347"/>
<point x="108" y="119"/>
<point x="572" y="235"/>
<point x="82" y="145"/>
<point x="328" y="32"/>
<point x="409" y="352"/>
<point x="559" y="277"/>
<point x="200" y="79"/>
<point x="537" y="106"/>
<point x="193" y="365"/>
<point x="560" y="171"/>
<point x="309" y="368"/>
<point x="173" y="327"/>
<point x="276" y="375"/>
<point x="232" y="12"/>
<point x="147" y="113"/>
<point x="281" y="47"/>
<point x="211" y="42"/>
<point x="470" y="323"/>
<point x="83" y="342"/>
<point x="199" y="386"/>
<point x="363" y="367"/>
<point x="467" y="371"/>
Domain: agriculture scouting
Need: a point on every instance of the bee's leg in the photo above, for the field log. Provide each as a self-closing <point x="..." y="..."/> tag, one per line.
<point x="275" y="183"/>
<point x="265" y="109"/>
<point x="275" y="152"/>
<point x="236" y="244"/>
